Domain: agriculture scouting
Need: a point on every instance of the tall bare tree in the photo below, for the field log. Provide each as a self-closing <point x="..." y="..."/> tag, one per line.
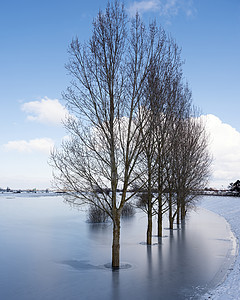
<point x="108" y="79"/>
<point x="124" y="98"/>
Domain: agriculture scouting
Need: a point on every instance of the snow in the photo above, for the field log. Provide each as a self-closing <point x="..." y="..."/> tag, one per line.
<point x="229" y="208"/>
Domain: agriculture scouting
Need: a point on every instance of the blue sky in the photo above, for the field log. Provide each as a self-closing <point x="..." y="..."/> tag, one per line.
<point x="34" y="38"/>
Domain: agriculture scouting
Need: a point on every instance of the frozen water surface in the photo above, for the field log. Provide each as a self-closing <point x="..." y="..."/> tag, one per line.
<point x="49" y="251"/>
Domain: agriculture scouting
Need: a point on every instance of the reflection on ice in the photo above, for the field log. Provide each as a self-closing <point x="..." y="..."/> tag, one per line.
<point x="123" y="266"/>
<point x="80" y="265"/>
<point x="49" y="251"/>
<point x="85" y="265"/>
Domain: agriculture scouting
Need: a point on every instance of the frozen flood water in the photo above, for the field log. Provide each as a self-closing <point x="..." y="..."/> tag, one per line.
<point x="49" y="251"/>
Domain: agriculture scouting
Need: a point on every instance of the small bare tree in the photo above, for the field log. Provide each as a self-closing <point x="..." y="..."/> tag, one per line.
<point x="167" y="105"/>
<point x="191" y="164"/>
<point x="164" y="104"/>
<point x="147" y="178"/>
<point x="189" y="159"/>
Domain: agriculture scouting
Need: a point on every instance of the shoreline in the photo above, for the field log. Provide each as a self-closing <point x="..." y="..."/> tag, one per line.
<point x="228" y="264"/>
<point x="228" y="208"/>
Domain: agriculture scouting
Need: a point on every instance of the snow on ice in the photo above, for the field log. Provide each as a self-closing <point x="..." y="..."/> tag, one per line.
<point x="229" y="208"/>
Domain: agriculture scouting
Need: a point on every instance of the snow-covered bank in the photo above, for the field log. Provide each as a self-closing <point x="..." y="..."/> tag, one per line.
<point x="229" y="208"/>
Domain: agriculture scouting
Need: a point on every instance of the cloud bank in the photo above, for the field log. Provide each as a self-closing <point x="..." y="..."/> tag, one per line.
<point x="47" y="111"/>
<point x="43" y="145"/>
<point x="225" y="148"/>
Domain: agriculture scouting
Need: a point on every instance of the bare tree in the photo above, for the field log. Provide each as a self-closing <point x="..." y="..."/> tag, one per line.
<point x="189" y="159"/>
<point x="168" y="105"/>
<point x="164" y="104"/>
<point x="192" y="162"/>
<point x="147" y="178"/>
<point x="108" y="79"/>
<point x="125" y="97"/>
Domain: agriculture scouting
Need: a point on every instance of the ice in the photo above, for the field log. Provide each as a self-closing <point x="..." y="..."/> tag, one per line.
<point x="49" y="251"/>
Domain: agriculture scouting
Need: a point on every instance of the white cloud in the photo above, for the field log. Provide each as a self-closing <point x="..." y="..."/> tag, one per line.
<point x="170" y="7"/>
<point x="43" y="145"/>
<point x="48" y="111"/>
<point x="225" y="147"/>
<point x="143" y="6"/>
<point x="166" y="8"/>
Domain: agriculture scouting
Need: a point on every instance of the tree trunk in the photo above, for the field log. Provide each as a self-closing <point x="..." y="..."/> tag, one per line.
<point x="178" y="211"/>
<point x="170" y="216"/>
<point x="160" y="216"/>
<point x="183" y="210"/>
<point x="149" y="228"/>
<point x="170" y="221"/>
<point x="159" y="181"/>
<point x="116" y="243"/>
